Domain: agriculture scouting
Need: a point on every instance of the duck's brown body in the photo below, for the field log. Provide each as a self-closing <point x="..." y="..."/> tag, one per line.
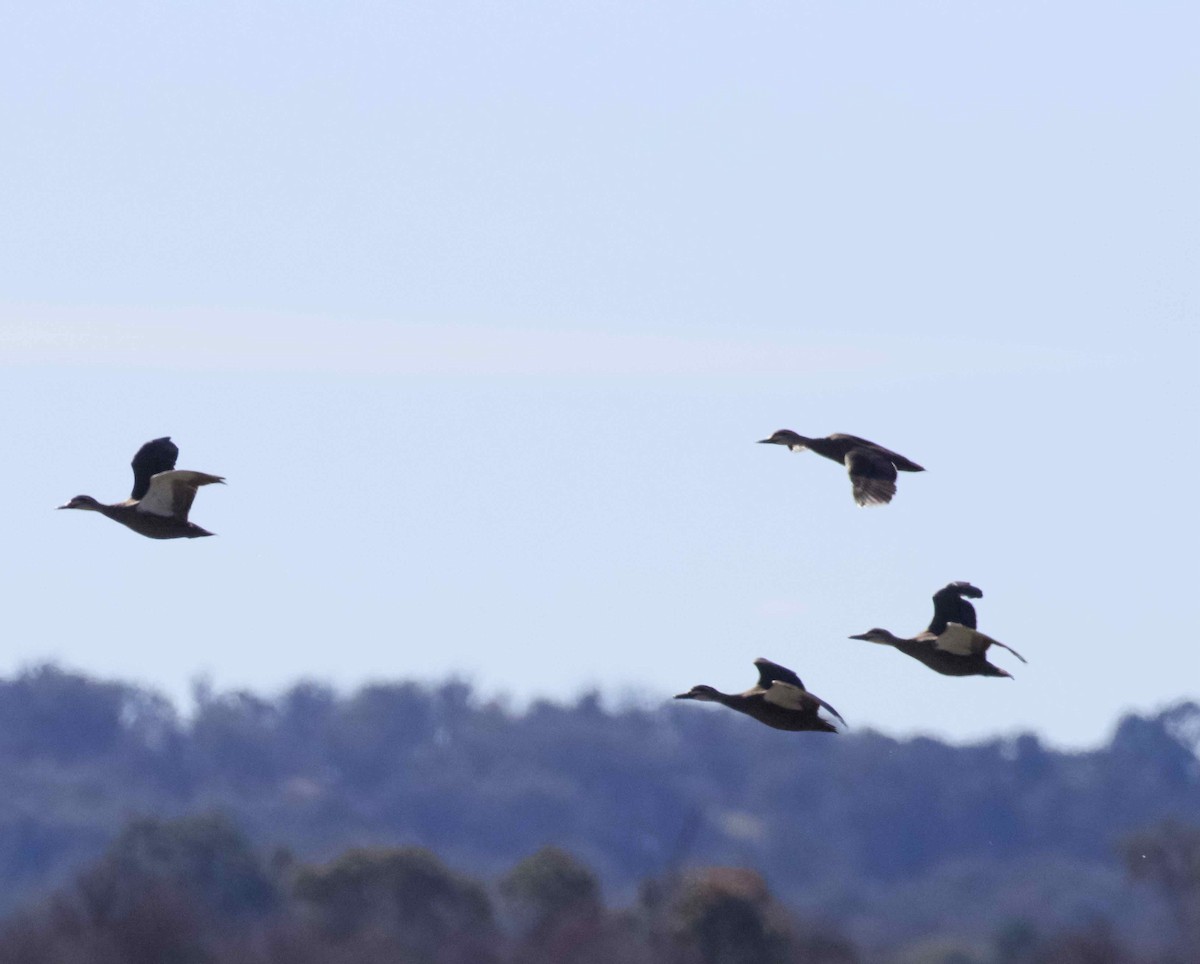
<point x="948" y="664"/>
<point x="145" y="524"/>
<point x="777" y="717"/>
<point x="839" y="445"/>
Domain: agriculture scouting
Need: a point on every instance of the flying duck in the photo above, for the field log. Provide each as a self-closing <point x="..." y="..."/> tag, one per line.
<point x="872" y="468"/>
<point x="959" y="651"/>
<point x="951" y="645"/>
<point x="161" y="497"/>
<point x="779" y="700"/>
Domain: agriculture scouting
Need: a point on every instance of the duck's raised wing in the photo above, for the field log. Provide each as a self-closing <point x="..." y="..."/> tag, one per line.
<point x="171" y="493"/>
<point x="950" y="606"/>
<point x="769" y="673"/>
<point x="157" y="455"/>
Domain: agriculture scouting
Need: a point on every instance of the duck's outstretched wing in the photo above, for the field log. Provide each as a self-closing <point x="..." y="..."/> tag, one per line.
<point x="964" y="641"/>
<point x="957" y="639"/>
<point x="157" y="455"/>
<point x="797" y="698"/>
<point x="950" y="606"/>
<point x="872" y="475"/>
<point x="171" y="493"/>
<point x="996" y="642"/>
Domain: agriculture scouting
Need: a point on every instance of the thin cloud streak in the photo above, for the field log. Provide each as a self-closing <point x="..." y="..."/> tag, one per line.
<point x="231" y="341"/>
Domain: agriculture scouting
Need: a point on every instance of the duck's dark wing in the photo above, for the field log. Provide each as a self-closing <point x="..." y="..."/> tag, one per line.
<point x="769" y="673"/>
<point x="155" y="456"/>
<point x="950" y="606"/>
<point x="873" y="476"/>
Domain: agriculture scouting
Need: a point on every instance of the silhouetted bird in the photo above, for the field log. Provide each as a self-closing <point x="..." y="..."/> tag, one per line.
<point x="957" y="651"/>
<point x="949" y="606"/>
<point x="779" y="700"/>
<point x="162" y="495"/>
<point x="872" y="468"/>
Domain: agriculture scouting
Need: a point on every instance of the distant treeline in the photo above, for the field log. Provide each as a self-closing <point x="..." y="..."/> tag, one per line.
<point x="195" y="891"/>
<point x="891" y="841"/>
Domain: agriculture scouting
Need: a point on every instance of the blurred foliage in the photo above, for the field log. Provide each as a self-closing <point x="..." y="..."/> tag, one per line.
<point x="881" y="836"/>
<point x="205" y="854"/>
<point x="548" y="886"/>
<point x="193" y="891"/>
<point x="405" y="892"/>
<point x="1167" y="855"/>
<point x="728" y="915"/>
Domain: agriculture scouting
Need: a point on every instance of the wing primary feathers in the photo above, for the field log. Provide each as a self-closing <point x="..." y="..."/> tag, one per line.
<point x="996" y="642"/>
<point x="872" y="475"/>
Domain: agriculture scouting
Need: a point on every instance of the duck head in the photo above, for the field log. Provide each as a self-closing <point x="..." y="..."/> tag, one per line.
<point x="877" y="636"/>
<point x="785" y="436"/>
<point x="701" y="692"/>
<point x="81" y="502"/>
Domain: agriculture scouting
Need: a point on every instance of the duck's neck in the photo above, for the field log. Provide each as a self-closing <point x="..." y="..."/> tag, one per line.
<point x="830" y="448"/>
<point x="904" y="645"/>
<point x="733" y="700"/>
<point x="117" y="511"/>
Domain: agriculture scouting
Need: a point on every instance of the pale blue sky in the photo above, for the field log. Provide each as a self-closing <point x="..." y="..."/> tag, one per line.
<point x="480" y="308"/>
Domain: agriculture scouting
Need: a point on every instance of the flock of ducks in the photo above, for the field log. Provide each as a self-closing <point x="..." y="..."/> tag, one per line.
<point x="162" y="496"/>
<point x="951" y="645"/>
